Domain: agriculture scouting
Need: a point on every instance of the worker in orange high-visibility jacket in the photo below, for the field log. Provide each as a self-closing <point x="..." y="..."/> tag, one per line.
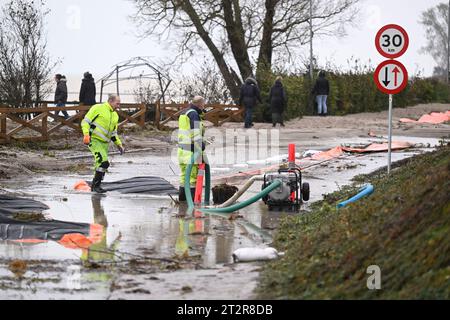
<point x="99" y="129"/>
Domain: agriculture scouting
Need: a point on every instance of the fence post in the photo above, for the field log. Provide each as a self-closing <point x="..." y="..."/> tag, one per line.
<point x="144" y="112"/>
<point x="158" y="114"/>
<point x="3" y="128"/>
<point x="45" y="123"/>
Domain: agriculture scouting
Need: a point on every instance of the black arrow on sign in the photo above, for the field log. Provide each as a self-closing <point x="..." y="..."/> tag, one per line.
<point x="386" y="78"/>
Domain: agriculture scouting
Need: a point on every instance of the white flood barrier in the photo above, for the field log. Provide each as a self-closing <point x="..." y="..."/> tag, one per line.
<point x="272" y="160"/>
<point x="256" y="254"/>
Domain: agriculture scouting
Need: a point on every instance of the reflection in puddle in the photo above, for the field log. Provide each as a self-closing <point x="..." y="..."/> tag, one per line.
<point x="143" y="226"/>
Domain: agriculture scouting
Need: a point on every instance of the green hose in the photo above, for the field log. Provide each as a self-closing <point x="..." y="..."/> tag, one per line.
<point x="275" y="184"/>
<point x="187" y="189"/>
<point x="208" y="185"/>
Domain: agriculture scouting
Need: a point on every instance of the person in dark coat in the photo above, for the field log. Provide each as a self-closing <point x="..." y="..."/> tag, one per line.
<point x="61" y="94"/>
<point x="88" y="90"/>
<point x="277" y="98"/>
<point x="250" y="95"/>
<point x="322" y="91"/>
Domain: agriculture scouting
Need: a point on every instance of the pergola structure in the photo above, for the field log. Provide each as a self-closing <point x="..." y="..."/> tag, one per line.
<point x="152" y="72"/>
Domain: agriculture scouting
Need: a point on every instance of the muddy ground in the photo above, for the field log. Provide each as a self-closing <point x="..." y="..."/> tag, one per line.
<point x="152" y="248"/>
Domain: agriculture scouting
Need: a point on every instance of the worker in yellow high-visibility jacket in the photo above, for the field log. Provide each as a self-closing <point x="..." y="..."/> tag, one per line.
<point x="191" y="131"/>
<point x="100" y="128"/>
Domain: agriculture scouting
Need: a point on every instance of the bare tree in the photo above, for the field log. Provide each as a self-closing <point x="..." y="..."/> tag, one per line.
<point x="241" y="35"/>
<point x="436" y="22"/>
<point x="146" y="92"/>
<point x="25" y="64"/>
<point x="205" y="81"/>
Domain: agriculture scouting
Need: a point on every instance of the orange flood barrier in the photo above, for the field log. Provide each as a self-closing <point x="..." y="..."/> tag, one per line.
<point x="432" y="118"/>
<point x="82" y="186"/>
<point x="380" y="147"/>
<point x="328" y="155"/>
<point x="80" y="241"/>
<point x="374" y="147"/>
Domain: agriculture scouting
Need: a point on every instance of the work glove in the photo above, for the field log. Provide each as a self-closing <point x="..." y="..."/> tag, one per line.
<point x="87" y="140"/>
<point x="121" y="150"/>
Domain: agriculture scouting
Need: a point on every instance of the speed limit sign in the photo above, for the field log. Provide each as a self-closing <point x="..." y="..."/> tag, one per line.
<point x="392" y="41"/>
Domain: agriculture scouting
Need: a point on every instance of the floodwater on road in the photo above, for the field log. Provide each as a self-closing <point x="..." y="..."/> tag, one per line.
<point x="142" y="232"/>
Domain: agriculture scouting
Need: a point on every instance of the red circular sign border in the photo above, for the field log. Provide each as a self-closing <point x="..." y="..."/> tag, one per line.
<point x="405" y="79"/>
<point x="405" y="35"/>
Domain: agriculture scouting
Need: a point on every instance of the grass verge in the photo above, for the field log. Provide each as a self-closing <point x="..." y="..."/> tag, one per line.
<point x="404" y="228"/>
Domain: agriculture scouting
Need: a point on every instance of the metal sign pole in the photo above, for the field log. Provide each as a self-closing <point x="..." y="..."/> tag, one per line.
<point x="390" y="134"/>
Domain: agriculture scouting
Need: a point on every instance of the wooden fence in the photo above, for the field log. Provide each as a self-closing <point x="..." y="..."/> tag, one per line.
<point x="40" y="129"/>
<point x="14" y="125"/>
<point x="218" y="114"/>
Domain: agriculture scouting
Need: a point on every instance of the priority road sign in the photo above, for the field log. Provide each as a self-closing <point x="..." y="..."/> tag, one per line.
<point x="392" y="41"/>
<point x="391" y="77"/>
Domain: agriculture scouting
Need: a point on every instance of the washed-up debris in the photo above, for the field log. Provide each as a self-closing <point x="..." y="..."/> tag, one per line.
<point x="18" y="267"/>
<point x="432" y="118"/>
<point x="29" y="216"/>
<point x="255" y="254"/>
<point x="186" y="289"/>
<point x="310" y="153"/>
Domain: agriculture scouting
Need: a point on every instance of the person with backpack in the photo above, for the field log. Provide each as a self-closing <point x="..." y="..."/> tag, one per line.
<point x="277" y="99"/>
<point x="250" y="95"/>
<point x="322" y="91"/>
<point x="87" y="90"/>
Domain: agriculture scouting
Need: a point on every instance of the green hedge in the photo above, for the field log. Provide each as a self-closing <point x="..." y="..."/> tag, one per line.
<point x="350" y="93"/>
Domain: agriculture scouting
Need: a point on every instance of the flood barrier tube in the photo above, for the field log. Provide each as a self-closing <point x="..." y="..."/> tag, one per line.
<point x="364" y="192"/>
<point x="275" y="184"/>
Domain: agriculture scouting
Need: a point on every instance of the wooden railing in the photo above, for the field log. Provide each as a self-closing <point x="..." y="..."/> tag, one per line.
<point x="40" y="129"/>
<point x="218" y="114"/>
<point x="32" y="124"/>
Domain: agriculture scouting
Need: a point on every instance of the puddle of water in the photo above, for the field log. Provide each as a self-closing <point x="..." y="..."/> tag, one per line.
<point x="137" y="223"/>
<point x="133" y="224"/>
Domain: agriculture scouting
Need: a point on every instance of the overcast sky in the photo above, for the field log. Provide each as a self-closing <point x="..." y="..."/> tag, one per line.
<point x="94" y="35"/>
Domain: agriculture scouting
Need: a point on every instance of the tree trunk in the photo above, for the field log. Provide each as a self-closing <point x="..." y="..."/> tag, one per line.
<point x="218" y="56"/>
<point x="266" y="48"/>
<point x="236" y="36"/>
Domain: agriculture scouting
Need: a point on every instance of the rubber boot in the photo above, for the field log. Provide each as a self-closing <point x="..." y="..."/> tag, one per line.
<point x="182" y="194"/>
<point x="96" y="183"/>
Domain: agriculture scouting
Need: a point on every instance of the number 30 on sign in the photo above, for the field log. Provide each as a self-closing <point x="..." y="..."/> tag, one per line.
<point x="392" y="41"/>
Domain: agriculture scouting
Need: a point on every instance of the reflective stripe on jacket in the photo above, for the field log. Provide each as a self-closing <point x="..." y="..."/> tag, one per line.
<point x="101" y="123"/>
<point x="190" y="135"/>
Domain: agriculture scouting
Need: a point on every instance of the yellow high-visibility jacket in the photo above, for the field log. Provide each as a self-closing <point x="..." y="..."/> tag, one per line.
<point x="101" y="123"/>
